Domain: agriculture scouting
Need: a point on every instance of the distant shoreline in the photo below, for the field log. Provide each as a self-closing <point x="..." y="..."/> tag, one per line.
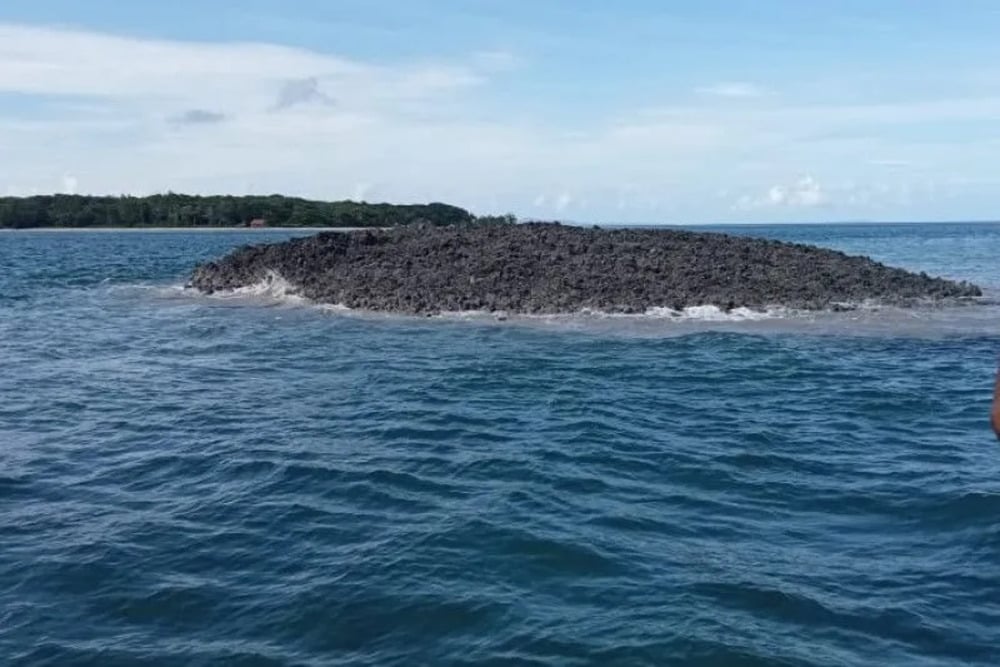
<point x="701" y="225"/>
<point x="184" y="229"/>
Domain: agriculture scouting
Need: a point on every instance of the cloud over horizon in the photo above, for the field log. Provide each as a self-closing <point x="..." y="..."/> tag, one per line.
<point x="805" y="192"/>
<point x="476" y="129"/>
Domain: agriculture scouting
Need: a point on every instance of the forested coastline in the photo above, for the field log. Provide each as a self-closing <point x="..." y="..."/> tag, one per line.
<point x="178" y="210"/>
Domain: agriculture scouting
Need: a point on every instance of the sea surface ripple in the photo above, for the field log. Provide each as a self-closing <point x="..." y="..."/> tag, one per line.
<point x="239" y="481"/>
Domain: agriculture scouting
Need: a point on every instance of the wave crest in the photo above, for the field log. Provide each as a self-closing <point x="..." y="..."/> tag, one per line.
<point x="858" y="318"/>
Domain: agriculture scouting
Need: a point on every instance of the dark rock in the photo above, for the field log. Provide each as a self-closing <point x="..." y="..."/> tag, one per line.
<point x="548" y="268"/>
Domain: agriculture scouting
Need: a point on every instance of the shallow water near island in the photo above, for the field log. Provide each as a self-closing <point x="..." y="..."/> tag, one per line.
<point x="255" y="480"/>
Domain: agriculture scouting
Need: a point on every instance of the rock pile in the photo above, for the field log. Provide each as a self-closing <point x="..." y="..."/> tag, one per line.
<point x="552" y="268"/>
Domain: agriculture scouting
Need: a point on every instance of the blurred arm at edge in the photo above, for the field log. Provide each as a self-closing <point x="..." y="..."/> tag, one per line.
<point x="995" y="414"/>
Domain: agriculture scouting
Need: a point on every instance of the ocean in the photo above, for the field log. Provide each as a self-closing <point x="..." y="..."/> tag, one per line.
<point x="247" y="479"/>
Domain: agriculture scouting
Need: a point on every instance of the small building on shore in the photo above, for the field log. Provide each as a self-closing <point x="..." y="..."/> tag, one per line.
<point x="257" y="222"/>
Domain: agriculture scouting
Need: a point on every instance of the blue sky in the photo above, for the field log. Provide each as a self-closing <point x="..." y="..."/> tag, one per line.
<point x="635" y="111"/>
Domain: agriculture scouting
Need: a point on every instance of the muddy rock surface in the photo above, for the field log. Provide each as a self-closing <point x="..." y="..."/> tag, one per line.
<point x="552" y="268"/>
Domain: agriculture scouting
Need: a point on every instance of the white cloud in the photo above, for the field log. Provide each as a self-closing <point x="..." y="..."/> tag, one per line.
<point x="805" y="192"/>
<point x="191" y="75"/>
<point x="70" y="184"/>
<point x="416" y="130"/>
<point x="141" y="116"/>
<point x="732" y="89"/>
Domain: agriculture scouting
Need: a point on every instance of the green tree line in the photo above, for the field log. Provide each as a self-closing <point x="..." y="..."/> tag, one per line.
<point x="177" y="210"/>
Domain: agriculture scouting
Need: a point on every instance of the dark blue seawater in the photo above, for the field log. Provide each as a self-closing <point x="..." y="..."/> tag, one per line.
<point x="244" y="481"/>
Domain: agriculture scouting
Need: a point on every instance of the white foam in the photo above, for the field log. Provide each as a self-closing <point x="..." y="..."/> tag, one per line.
<point x="704" y="313"/>
<point x="334" y="308"/>
<point x="866" y="318"/>
<point x="471" y="315"/>
<point x="164" y="291"/>
<point x="272" y="288"/>
<point x="711" y="313"/>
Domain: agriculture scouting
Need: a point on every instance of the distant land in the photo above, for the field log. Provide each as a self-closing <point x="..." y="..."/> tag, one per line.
<point x="188" y="211"/>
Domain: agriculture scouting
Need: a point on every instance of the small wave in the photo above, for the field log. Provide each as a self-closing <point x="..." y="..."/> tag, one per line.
<point x="333" y="307"/>
<point x="137" y="292"/>
<point x="477" y="315"/>
<point x="705" y="313"/>
<point x="710" y="313"/>
<point x="856" y="318"/>
<point x="272" y="286"/>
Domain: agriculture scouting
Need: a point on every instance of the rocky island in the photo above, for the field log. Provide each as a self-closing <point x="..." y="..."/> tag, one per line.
<point x="554" y="268"/>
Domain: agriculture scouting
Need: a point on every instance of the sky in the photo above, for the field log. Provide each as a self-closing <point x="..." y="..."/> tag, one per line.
<point x="637" y="111"/>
